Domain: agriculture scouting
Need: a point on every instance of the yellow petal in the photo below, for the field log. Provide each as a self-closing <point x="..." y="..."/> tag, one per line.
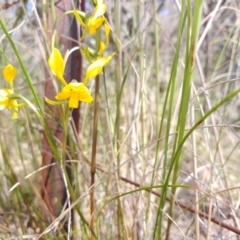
<point x="75" y="92"/>
<point x="102" y="48"/>
<point x="4" y="99"/>
<point x="63" y="95"/>
<point x="9" y="73"/>
<point x="12" y="104"/>
<point x="94" y="24"/>
<point x="96" y="67"/>
<point x="85" y="96"/>
<point x="107" y="32"/>
<point x="56" y="64"/>
<point x="93" y="71"/>
<point x="73" y="101"/>
<point x="52" y="102"/>
<point x="99" y="10"/>
<point x="87" y="99"/>
<point x="99" y="2"/>
<point x="4" y="92"/>
<point x="2" y="105"/>
<point x="15" y="113"/>
<point x="7" y="102"/>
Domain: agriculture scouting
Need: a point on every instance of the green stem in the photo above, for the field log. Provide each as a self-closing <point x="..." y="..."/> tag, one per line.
<point x="118" y="76"/>
<point x="94" y="141"/>
<point x="65" y="117"/>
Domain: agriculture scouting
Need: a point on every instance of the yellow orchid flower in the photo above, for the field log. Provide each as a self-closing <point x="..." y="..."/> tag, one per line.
<point x="97" y="67"/>
<point x="89" y="23"/>
<point x="75" y="92"/>
<point x="95" y="23"/>
<point x="7" y="102"/>
<point x="9" y="73"/>
<point x="97" y="19"/>
<point x="57" y="65"/>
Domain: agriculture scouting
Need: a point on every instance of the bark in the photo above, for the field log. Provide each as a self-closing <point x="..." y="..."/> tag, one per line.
<point x="53" y="191"/>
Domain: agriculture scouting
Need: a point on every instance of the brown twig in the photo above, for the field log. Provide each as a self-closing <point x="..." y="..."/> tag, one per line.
<point x="188" y="208"/>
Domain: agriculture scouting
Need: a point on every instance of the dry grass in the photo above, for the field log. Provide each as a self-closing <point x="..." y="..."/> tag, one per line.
<point x="128" y="132"/>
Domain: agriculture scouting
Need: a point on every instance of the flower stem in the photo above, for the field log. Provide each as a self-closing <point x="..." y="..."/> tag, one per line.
<point x="65" y="117"/>
<point x="94" y="150"/>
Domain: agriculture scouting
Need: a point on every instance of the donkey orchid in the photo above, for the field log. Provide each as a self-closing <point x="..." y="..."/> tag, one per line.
<point x="9" y="74"/>
<point x="73" y="91"/>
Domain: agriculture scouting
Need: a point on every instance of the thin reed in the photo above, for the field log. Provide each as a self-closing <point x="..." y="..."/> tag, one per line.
<point x="153" y="151"/>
